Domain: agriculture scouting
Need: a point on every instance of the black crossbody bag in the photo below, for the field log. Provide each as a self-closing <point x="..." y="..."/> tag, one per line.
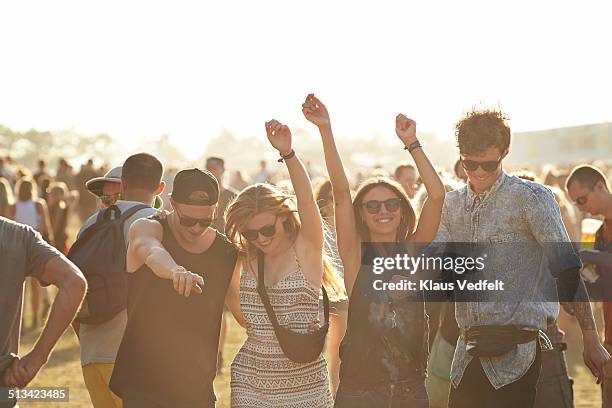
<point x="298" y="347"/>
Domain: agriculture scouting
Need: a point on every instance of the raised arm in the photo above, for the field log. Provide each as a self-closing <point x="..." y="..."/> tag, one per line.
<point x="429" y="220"/>
<point x="311" y="230"/>
<point x="145" y="248"/>
<point x="346" y="230"/>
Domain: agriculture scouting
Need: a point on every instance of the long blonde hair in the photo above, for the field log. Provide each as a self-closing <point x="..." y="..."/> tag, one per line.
<point x="265" y="198"/>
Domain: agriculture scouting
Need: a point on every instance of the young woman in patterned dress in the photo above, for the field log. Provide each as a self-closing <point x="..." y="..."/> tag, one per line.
<point x="263" y="218"/>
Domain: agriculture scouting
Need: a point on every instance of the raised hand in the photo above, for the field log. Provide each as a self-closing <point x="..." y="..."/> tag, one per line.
<point x="279" y="136"/>
<point x="405" y="129"/>
<point x="185" y="281"/>
<point x="314" y="110"/>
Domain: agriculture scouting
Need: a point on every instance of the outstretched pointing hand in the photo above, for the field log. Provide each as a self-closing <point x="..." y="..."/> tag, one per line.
<point x="314" y="110"/>
<point x="279" y="136"/>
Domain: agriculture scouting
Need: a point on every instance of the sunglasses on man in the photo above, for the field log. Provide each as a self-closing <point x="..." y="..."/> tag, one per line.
<point x="374" y="206"/>
<point x="266" y="231"/>
<point x="190" y="221"/>
<point x="109" y="200"/>
<point x="488" y="166"/>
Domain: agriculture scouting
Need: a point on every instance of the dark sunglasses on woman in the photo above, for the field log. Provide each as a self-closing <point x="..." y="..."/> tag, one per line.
<point x="267" y="231"/>
<point x="190" y="222"/>
<point x="488" y="166"/>
<point x="374" y="206"/>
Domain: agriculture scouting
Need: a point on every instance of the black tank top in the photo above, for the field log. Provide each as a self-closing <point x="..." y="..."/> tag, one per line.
<point x="372" y="352"/>
<point x="168" y="354"/>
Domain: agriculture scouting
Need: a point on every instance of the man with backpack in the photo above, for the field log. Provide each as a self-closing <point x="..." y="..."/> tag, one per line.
<point x="100" y="252"/>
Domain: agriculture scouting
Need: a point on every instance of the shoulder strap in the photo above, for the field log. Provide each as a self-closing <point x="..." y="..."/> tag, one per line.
<point x="128" y="213"/>
<point x="261" y="289"/>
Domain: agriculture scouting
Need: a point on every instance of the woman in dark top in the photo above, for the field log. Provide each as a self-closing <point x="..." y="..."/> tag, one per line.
<point x="384" y="351"/>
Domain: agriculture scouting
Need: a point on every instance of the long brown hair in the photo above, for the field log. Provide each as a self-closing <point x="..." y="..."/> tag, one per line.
<point x="25" y="189"/>
<point x="265" y="198"/>
<point x="408" y="218"/>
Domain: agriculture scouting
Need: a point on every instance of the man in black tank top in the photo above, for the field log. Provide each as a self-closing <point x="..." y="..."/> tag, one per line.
<point x="168" y="354"/>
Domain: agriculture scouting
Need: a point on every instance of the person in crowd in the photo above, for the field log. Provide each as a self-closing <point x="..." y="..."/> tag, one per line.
<point x="41" y="171"/>
<point x="25" y="253"/>
<point x="5" y="171"/>
<point x="107" y="187"/>
<point x="588" y="188"/>
<point x="237" y="181"/>
<point x="216" y="166"/>
<point x="496" y="208"/>
<point x="406" y="175"/>
<point x="287" y="242"/>
<point x="58" y="202"/>
<point x="32" y="211"/>
<point x="168" y="354"/>
<point x="373" y="372"/>
<point x="339" y="308"/>
<point x="6" y="197"/>
<point x="263" y="175"/>
<point x="87" y="202"/>
<point x="139" y="182"/>
<point x="64" y="173"/>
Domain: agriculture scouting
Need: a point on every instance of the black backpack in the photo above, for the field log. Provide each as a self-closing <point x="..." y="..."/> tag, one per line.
<point x="100" y="253"/>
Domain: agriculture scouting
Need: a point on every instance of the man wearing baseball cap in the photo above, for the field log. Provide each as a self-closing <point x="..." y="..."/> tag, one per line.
<point x="168" y="354"/>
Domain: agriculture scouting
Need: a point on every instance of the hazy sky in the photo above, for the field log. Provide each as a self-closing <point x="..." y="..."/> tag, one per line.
<point x="139" y="69"/>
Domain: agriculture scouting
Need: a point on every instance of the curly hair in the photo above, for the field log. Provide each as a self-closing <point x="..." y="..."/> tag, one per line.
<point x="480" y="129"/>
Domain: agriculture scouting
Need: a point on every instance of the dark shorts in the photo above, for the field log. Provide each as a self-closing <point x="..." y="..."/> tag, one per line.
<point x="394" y="395"/>
<point x="554" y="385"/>
<point x="475" y="390"/>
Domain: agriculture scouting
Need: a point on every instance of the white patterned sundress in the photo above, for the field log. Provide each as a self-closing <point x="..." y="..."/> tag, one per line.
<point x="261" y="375"/>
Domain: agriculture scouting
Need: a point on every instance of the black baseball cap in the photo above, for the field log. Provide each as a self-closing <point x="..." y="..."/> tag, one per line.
<point x="195" y="187"/>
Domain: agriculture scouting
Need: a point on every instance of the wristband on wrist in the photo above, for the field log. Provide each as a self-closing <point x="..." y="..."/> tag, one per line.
<point x="414" y="145"/>
<point x="287" y="157"/>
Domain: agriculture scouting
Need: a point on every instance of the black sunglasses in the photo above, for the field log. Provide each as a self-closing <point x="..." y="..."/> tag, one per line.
<point x="374" y="206"/>
<point x="190" y="222"/>
<point x="267" y="231"/>
<point x="488" y="166"/>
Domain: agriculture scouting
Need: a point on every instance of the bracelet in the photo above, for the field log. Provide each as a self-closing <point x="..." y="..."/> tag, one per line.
<point x="287" y="157"/>
<point x="414" y="145"/>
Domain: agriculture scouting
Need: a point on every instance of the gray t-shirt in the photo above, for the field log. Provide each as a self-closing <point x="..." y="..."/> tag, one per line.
<point x="100" y="342"/>
<point x="23" y="253"/>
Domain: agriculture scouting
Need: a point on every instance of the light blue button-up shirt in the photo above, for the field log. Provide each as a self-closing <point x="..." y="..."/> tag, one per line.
<point x="513" y="210"/>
